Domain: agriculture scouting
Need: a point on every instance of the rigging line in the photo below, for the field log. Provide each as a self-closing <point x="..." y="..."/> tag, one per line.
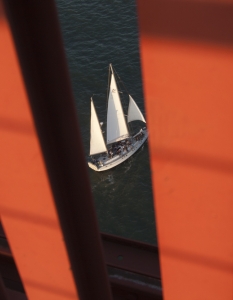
<point x="130" y="126"/>
<point x="122" y="82"/>
<point x="118" y="82"/>
<point x="108" y="90"/>
<point x="123" y="105"/>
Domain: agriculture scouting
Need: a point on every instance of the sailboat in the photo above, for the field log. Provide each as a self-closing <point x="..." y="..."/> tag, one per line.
<point x="120" y="144"/>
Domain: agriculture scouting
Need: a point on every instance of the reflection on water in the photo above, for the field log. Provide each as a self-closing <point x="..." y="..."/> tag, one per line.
<point x="95" y="34"/>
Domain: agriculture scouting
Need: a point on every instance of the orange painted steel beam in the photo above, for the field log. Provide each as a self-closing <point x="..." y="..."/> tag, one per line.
<point x="26" y="204"/>
<point x="46" y="205"/>
<point x="187" y="65"/>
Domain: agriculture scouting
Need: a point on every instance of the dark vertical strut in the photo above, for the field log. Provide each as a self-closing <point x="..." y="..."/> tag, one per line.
<point x="3" y="294"/>
<point x="40" y="50"/>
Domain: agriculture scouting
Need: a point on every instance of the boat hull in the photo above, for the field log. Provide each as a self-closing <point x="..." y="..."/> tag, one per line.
<point x="118" y="159"/>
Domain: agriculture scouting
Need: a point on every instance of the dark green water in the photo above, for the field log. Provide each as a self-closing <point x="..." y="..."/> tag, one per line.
<point x="95" y="34"/>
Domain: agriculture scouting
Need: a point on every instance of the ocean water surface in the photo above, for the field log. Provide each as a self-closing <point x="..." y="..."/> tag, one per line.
<point x="97" y="33"/>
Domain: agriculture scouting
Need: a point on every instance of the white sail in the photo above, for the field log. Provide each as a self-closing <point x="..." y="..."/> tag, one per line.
<point x="134" y="113"/>
<point x="97" y="144"/>
<point x="116" y="125"/>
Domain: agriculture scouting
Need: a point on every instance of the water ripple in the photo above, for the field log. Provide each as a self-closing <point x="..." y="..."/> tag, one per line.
<point x="97" y="33"/>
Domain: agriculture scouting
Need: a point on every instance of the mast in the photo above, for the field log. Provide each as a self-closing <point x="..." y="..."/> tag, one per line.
<point x="110" y="65"/>
<point x="117" y="129"/>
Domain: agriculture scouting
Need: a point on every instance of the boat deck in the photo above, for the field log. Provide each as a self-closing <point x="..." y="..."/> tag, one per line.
<point x="107" y="161"/>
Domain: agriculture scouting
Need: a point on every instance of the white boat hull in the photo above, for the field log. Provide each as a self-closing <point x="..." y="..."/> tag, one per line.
<point x="104" y="163"/>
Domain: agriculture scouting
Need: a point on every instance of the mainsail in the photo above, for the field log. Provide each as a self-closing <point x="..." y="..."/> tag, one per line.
<point x="97" y="144"/>
<point x="134" y="113"/>
<point x="116" y="125"/>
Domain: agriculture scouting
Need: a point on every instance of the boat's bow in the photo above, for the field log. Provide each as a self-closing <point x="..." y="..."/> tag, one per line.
<point x="92" y="166"/>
